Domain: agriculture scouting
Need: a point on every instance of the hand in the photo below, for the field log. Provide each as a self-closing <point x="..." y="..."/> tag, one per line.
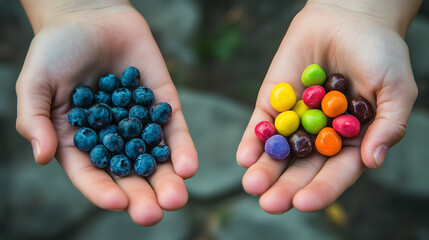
<point x="374" y="57"/>
<point x="77" y="47"/>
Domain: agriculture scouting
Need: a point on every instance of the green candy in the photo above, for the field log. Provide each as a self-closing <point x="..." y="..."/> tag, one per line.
<point x="313" y="75"/>
<point x="314" y="120"/>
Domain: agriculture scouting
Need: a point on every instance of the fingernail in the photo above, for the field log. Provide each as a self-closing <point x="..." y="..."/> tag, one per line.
<point x="36" y="148"/>
<point x="380" y="154"/>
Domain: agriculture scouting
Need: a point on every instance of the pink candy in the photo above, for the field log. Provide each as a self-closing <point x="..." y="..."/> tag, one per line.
<point x="265" y="130"/>
<point x="313" y="96"/>
<point x="346" y="125"/>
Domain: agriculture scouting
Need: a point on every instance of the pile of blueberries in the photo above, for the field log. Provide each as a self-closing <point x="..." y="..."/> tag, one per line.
<point x="118" y="126"/>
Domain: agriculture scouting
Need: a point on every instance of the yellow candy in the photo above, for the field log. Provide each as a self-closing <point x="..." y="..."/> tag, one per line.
<point x="282" y="97"/>
<point x="287" y="123"/>
<point x="300" y="108"/>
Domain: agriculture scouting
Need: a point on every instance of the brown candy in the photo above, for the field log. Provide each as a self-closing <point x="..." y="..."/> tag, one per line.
<point x="301" y="143"/>
<point x="361" y="109"/>
<point x="336" y="81"/>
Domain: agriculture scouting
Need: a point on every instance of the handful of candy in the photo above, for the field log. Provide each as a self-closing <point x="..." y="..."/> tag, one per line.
<point x="323" y="98"/>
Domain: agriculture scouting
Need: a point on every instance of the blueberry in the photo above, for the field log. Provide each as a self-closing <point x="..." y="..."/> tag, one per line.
<point x="143" y="96"/>
<point x="130" y="77"/>
<point x="121" y="97"/>
<point x="99" y="116"/>
<point x="83" y="96"/>
<point x="134" y="148"/>
<point x="108" y="83"/>
<point x="77" y="117"/>
<point x="130" y="128"/>
<point x="145" y="165"/>
<point x="119" y="114"/>
<point x="141" y="113"/>
<point x="160" y="113"/>
<point x="113" y="142"/>
<point x="103" y="132"/>
<point x="152" y="134"/>
<point x="161" y="153"/>
<point x="99" y="156"/>
<point x="103" y="97"/>
<point x="85" y="139"/>
<point x="120" y="165"/>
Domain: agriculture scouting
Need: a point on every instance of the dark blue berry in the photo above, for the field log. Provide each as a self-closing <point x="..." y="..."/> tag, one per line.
<point x="161" y="153"/>
<point x="134" y="148"/>
<point x="77" y="117"/>
<point x="103" y="97"/>
<point x="99" y="116"/>
<point x="160" y="113"/>
<point x="121" y="97"/>
<point x="113" y="142"/>
<point x="83" y="96"/>
<point x="99" y="156"/>
<point x="119" y="114"/>
<point x="85" y="139"/>
<point x="130" y="128"/>
<point x="152" y="134"/>
<point x="120" y="165"/>
<point x="143" y="96"/>
<point x="141" y="113"/>
<point x="130" y="77"/>
<point x="109" y="83"/>
<point x="103" y="132"/>
<point x="145" y="165"/>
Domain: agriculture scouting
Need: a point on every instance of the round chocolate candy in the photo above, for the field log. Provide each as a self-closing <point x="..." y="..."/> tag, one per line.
<point x="301" y="143"/>
<point x="277" y="147"/>
<point x="336" y="81"/>
<point x="361" y="109"/>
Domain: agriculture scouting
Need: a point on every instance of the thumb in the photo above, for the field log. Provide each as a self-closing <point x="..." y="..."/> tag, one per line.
<point x="34" y="98"/>
<point x="394" y="103"/>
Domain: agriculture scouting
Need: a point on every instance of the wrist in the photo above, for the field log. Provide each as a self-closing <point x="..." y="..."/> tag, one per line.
<point x="397" y="14"/>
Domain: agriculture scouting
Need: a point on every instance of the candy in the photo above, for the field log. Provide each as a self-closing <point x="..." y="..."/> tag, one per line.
<point x="334" y="104"/>
<point x="282" y="97"/>
<point x="361" y="109"/>
<point x="314" y="120"/>
<point x="313" y="75"/>
<point x="346" y="125"/>
<point x="287" y="122"/>
<point x="301" y="143"/>
<point x="328" y="142"/>
<point x="313" y="96"/>
<point x="336" y="81"/>
<point x="265" y="130"/>
<point x="300" y="108"/>
<point x="277" y="147"/>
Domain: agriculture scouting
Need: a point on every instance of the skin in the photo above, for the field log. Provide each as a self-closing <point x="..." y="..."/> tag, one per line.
<point x="364" y="41"/>
<point x="75" y="43"/>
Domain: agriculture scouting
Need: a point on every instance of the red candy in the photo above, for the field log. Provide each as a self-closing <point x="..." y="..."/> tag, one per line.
<point x="346" y="125"/>
<point x="313" y="96"/>
<point x="265" y="130"/>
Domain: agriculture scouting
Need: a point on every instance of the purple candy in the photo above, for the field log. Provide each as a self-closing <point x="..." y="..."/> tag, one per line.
<point x="277" y="147"/>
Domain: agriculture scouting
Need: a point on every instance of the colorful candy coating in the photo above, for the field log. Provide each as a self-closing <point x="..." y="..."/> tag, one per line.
<point x="287" y="122"/>
<point x="346" y="125"/>
<point x="313" y="75"/>
<point x="300" y="108"/>
<point x="328" y="142"/>
<point x="334" y="104"/>
<point x="277" y="147"/>
<point x="336" y="81"/>
<point x="265" y="130"/>
<point x="301" y="143"/>
<point x="361" y="109"/>
<point x="313" y="96"/>
<point x="282" y="97"/>
<point x="314" y="120"/>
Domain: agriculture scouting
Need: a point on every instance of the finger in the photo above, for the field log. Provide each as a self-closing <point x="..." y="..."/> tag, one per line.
<point x="279" y="197"/>
<point x="94" y="183"/>
<point x="337" y="174"/>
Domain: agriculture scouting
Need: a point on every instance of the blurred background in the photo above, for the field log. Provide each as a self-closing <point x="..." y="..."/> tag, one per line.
<point x="217" y="53"/>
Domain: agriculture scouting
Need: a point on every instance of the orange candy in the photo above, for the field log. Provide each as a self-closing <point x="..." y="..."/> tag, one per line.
<point x="334" y="103"/>
<point x="328" y="142"/>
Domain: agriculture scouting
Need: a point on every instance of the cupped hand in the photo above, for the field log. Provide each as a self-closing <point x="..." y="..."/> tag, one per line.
<point x="374" y="57"/>
<point x="77" y="48"/>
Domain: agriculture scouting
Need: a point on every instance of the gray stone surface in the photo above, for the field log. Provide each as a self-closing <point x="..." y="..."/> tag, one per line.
<point x="406" y="166"/>
<point x="216" y="125"/>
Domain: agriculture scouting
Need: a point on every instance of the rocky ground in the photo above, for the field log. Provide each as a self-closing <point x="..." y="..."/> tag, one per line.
<point x="217" y="52"/>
